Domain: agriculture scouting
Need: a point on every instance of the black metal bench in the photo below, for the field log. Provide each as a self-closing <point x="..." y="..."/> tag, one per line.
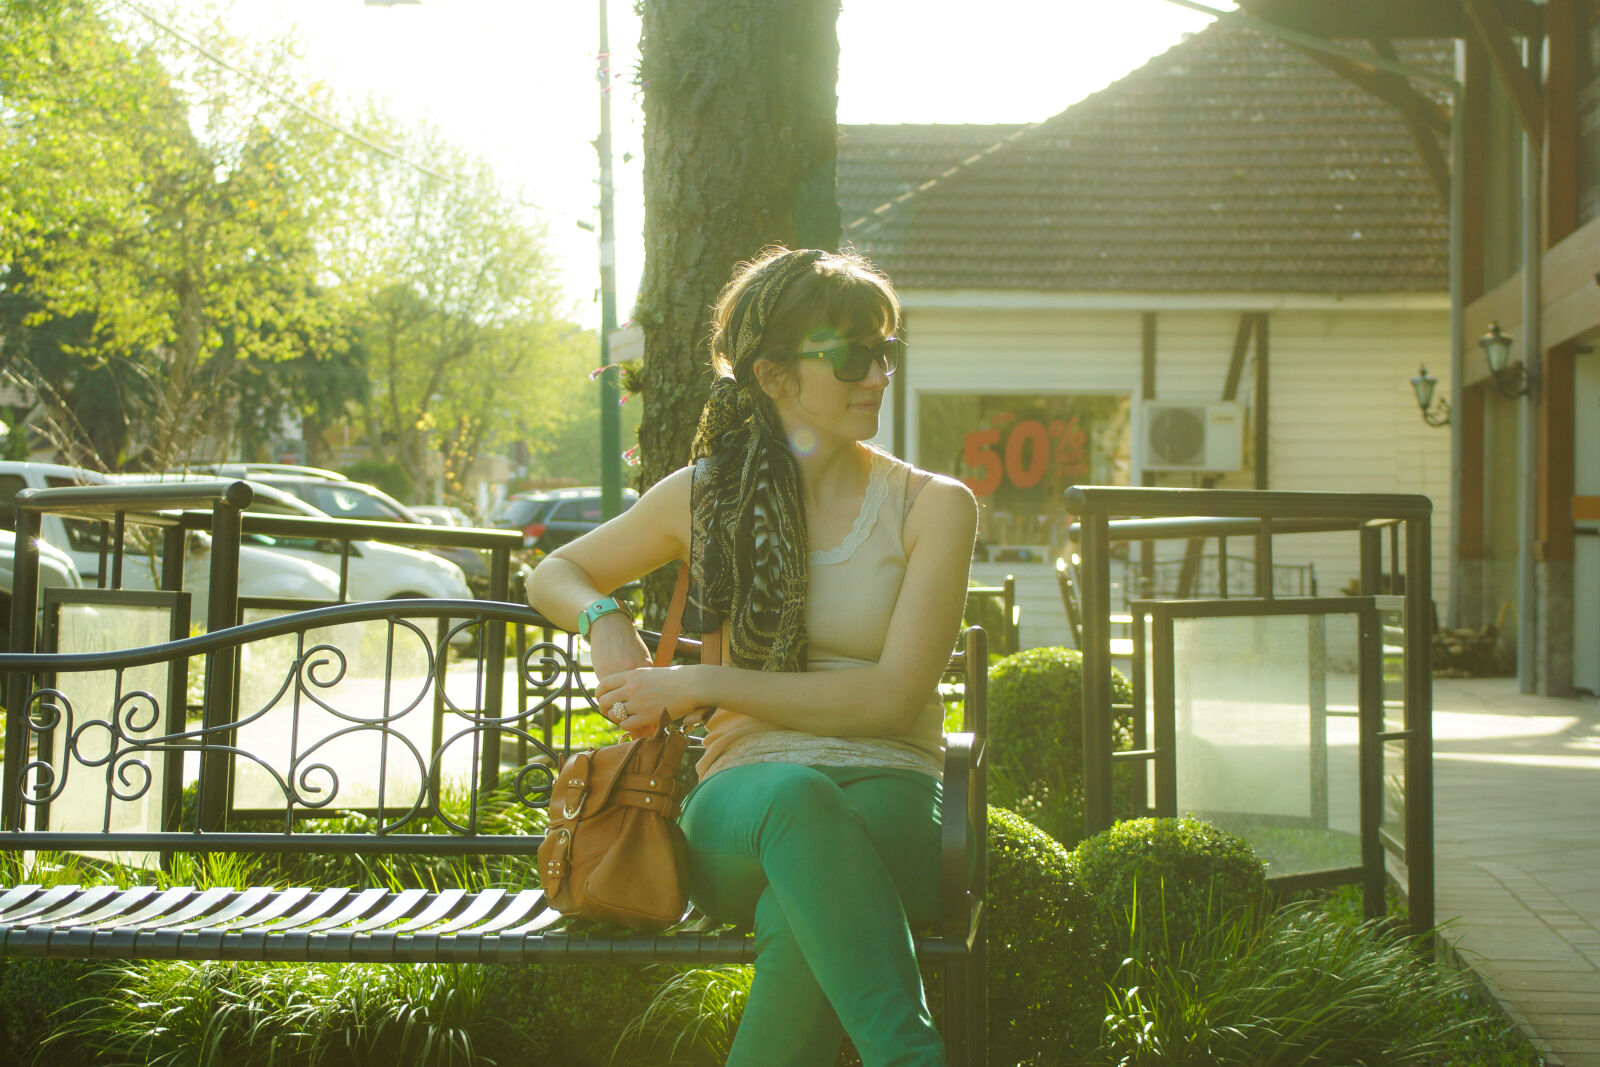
<point x="358" y="708"/>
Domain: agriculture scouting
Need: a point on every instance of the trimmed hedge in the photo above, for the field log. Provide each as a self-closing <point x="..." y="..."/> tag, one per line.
<point x="1185" y="875"/>
<point x="36" y="996"/>
<point x="1043" y="947"/>
<point x="1036" y="741"/>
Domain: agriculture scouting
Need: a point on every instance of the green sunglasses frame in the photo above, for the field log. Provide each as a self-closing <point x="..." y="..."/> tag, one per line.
<point x="886" y="353"/>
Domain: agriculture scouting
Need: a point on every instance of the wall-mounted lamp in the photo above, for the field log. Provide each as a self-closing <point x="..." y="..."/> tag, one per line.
<point x="1513" y="381"/>
<point x="1423" y="385"/>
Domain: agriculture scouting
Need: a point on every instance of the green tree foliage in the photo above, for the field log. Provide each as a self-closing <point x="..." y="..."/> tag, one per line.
<point x="196" y="253"/>
<point x="170" y="195"/>
<point x="459" y="312"/>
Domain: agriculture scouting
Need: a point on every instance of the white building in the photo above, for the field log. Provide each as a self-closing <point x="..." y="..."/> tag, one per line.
<point x="1230" y="228"/>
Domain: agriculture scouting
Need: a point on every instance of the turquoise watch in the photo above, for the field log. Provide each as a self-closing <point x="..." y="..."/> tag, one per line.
<point x="604" y="606"/>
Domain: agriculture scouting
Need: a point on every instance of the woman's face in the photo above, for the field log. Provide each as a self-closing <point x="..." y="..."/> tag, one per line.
<point x="814" y="404"/>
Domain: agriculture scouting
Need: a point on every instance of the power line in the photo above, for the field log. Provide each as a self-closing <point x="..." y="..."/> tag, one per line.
<point x="337" y="127"/>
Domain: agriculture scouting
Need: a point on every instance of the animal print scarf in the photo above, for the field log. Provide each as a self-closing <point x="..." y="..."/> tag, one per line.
<point x="749" y="555"/>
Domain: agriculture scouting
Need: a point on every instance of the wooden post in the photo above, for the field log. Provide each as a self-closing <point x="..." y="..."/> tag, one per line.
<point x="1474" y="124"/>
<point x="1262" y="398"/>
<point x="1557" y="473"/>
<point x="1561" y="121"/>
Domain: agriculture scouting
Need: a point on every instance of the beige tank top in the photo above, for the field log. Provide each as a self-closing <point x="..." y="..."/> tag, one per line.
<point x="851" y="596"/>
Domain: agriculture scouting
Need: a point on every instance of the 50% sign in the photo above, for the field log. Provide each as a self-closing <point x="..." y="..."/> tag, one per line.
<point x="1023" y="453"/>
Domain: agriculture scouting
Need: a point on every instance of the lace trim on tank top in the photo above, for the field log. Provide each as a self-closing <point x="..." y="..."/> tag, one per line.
<point x="866" y="518"/>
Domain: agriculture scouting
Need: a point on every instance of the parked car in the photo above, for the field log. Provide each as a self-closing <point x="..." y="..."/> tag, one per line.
<point x="549" y="518"/>
<point x="55" y="571"/>
<point x="334" y="494"/>
<point x="262" y="572"/>
<point x="377" y="571"/>
<point x="441" y="515"/>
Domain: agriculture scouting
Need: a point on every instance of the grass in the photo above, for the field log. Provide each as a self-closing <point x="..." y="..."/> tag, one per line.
<point x="692" y="1018"/>
<point x="1299" y="988"/>
<point x="208" y="1014"/>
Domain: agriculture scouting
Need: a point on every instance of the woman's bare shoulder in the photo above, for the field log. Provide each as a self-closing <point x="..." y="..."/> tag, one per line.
<point x="937" y="502"/>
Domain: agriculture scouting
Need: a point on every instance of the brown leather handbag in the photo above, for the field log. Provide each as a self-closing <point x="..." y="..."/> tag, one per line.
<point x="613" y="849"/>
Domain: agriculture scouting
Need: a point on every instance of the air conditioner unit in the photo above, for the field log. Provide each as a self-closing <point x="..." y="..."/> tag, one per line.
<point x="1192" y="435"/>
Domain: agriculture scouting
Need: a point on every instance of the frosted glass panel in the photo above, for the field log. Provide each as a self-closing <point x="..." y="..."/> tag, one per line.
<point x="1266" y="719"/>
<point x="1394" y="720"/>
<point x="349" y="705"/>
<point x="110" y="782"/>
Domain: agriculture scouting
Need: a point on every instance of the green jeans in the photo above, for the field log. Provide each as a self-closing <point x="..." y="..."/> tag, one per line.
<point x="832" y="866"/>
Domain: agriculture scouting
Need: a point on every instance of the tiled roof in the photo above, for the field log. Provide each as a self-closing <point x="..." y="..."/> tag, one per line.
<point x="1230" y="163"/>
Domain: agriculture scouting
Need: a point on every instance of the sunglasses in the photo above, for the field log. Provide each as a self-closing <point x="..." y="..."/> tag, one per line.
<point x="852" y="360"/>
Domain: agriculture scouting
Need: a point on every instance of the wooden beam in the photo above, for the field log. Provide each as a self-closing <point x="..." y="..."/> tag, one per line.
<point x="1241" y="348"/>
<point x="1474" y="132"/>
<point x="1557" y="474"/>
<point x="1491" y="30"/>
<point x="1470" y="539"/>
<point x="1381" y="83"/>
<point x="1560" y="200"/>
<point x="1147" y="366"/>
<point x="1423" y="118"/>
<point x="1263" y="396"/>
<point x="1390" y="18"/>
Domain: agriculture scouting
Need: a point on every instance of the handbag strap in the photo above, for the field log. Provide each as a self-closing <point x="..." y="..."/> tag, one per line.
<point x="672" y="628"/>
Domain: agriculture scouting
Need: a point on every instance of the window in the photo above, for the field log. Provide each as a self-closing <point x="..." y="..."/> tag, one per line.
<point x="587" y="510"/>
<point x="518" y="513"/>
<point x="1018" y="454"/>
<point x="83" y="535"/>
<point x="344" y="502"/>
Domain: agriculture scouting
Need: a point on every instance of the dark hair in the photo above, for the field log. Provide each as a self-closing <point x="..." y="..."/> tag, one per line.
<point x="838" y="289"/>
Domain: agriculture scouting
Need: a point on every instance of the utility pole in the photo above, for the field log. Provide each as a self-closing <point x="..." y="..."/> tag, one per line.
<point x="610" y="413"/>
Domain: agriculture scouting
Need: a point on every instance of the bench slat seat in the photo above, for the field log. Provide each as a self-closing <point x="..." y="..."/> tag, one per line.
<point x="105" y="922"/>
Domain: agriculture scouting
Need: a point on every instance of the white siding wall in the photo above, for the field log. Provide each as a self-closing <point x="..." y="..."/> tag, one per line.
<point x="1343" y="417"/>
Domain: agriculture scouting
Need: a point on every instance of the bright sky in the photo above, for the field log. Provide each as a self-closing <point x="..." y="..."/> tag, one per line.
<point x="514" y="82"/>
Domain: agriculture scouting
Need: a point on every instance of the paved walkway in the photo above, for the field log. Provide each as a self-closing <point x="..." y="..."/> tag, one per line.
<point x="1517" y="826"/>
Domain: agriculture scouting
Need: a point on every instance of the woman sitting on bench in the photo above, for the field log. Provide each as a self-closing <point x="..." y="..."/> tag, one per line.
<point x="837" y="576"/>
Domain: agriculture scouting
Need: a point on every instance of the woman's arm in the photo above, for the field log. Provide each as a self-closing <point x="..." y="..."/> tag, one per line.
<point x="653" y="532"/>
<point x="881" y="700"/>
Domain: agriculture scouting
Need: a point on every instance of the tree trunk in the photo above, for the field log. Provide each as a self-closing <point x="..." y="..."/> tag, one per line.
<point x="740" y="105"/>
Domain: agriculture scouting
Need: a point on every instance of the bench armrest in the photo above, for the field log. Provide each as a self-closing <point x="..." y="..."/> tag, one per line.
<point x="963" y="837"/>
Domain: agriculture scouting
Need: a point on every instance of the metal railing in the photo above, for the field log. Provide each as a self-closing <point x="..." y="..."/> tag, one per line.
<point x="162" y="506"/>
<point x="1007" y="636"/>
<point x="1108" y="514"/>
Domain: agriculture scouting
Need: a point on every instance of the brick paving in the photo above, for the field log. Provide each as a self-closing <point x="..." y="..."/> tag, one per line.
<point x="1517" y="828"/>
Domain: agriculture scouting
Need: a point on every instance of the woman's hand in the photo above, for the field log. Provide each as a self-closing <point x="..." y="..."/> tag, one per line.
<point x="648" y="691"/>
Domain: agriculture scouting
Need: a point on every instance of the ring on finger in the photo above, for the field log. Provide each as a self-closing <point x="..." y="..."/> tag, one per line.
<point x="618" y="711"/>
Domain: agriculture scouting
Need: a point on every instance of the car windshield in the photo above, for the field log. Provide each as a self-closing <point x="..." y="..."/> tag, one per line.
<point x="349" y="502"/>
<point x="518" y="512"/>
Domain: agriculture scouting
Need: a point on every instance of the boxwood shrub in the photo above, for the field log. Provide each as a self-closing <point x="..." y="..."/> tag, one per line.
<point x="1036" y="740"/>
<point x="1043" y="947"/>
<point x="1182" y="876"/>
